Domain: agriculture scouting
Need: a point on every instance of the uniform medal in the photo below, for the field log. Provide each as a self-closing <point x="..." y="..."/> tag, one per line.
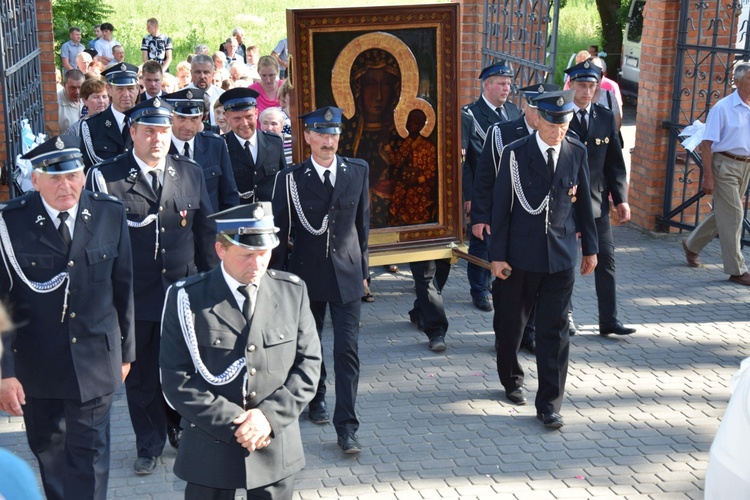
<point x="183" y="222"/>
<point x="572" y="193"/>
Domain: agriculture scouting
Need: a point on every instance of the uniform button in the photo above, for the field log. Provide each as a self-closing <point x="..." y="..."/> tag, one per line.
<point x="161" y="209"/>
<point x="217" y="341"/>
<point x="281" y="336"/>
<point x="127" y="209"/>
<point x="334" y="236"/>
<point x="104" y="256"/>
<point x="252" y="394"/>
<point x="251" y="348"/>
<point x="71" y="264"/>
<point x="162" y="230"/>
<point x="334" y="250"/>
<point x="73" y="340"/>
<point x="213" y="173"/>
<point x="33" y="264"/>
<point x="190" y="206"/>
<point x="331" y="207"/>
<point x="163" y="250"/>
<point x="252" y="371"/>
<point x="72" y="315"/>
<point x="164" y="271"/>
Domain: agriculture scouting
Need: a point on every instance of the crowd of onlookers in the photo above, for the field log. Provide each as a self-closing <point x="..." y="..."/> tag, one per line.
<point x="82" y="89"/>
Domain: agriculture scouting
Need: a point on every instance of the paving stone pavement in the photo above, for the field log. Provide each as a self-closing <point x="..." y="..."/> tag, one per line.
<point x="640" y="411"/>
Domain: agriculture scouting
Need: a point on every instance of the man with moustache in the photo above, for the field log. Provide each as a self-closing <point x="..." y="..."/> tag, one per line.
<point x="322" y="205"/>
<point x="107" y="134"/>
<point x="205" y="148"/>
<point x="541" y="199"/>
<point x="68" y="281"/>
<point x="491" y="107"/>
<point x="172" y="237"/>
<point x="256" y="156"/>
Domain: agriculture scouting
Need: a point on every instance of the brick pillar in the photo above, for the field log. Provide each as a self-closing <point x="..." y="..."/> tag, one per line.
<point x="649" y="157"/>
<point x="472" y="19"/>
<point x="49" y="83"/>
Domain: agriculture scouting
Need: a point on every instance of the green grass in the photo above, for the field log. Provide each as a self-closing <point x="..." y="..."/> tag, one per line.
<point x="189" y="23"/>
<point x="579" y="27"/>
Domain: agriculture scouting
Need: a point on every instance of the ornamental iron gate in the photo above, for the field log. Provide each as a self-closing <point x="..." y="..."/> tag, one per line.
<point x="20" y="77"/>
<point x="712" y="36"/>
<point x="523" y="32"/>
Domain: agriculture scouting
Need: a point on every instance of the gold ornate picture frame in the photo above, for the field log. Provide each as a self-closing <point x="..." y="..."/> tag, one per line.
<point x="394" y="72"/>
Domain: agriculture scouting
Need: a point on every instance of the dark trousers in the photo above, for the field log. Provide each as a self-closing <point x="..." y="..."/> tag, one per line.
<point x="280" y="490"/>
<point x="145" y="400"/>
<point x="345" y="320"/>
<point x="604" y="274"/>
<point x="479" y="277"/>
<point x="551" y="294"/>
<point x="71" y="441"/>
<point x="429" y="279"/>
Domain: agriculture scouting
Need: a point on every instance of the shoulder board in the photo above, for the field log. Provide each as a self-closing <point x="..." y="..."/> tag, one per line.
<point x="97" y="196"/>
<point x="273" y="135"/>
<point x="574" y="141"/>
<point x="355" y="161"/>
<point x="602" y="106"/>
<point x="284" y="276"/>
<point x="191" y="280"/>
<point x="210" y="135"/>
<point x="16" y="203"/>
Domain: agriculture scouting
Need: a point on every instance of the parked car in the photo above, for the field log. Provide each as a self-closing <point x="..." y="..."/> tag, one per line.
<point x="630" y="65"/>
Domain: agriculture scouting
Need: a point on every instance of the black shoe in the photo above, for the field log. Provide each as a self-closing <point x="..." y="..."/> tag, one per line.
<point x="174" y="434"/>
<point x="437" y="344"/>
<point x="517" y="396"/>
<point x="418" y="320"/>
<point x="318" y="413"/>
<point x="571" y="324"/>
<point x="616" y="328"/>
<point x="349" y="443"/>
<point x="144" y="465"/>
<point x="482" y="302"/>
<point x="551" y="420"/>
<point x="529" y="345"/>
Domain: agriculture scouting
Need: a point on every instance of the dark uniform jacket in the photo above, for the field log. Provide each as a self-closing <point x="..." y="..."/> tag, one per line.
<point x="606" y="164"/>
<point x="81" y="357"/>
<point x="476" y="118"/>
<point x="213" y="157"/>
<point x="526" y="241"/>
<point x="282" y="354"/>
<point x="257" y="179"/>
<point x="333" y="264"/>
<point x="101" y="138"/>
<point x="484" y="177"/>
<point x="183" y="249"/>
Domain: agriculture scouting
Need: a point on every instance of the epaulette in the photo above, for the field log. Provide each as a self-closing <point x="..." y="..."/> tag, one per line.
<point x="272" y="134"/>
<point x="284" y="276"/>
<point x="96" y="195"/>
<point x="191" y="280"/>
<point x="211" y="135"/>
<point x="575" y="141"/>
<point x="16" y="203"/>
<point x="355" y="161"/>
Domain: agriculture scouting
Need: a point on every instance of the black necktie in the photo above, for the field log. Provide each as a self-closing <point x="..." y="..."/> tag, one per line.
<point x="155" y="184"/>
<point x="63" y="228"/>
<point x="248" y="307"/>
<point x="327" y="182"/>
<point x="249" y="153"/>
<point x="126" y="131"/>
<point x="499" y="110"/>
<point x="582" y="119"/>
<point x="551" y="161"/>
<point x="186" y="151"/>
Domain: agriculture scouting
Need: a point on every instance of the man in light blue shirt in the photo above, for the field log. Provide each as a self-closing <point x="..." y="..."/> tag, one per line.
<point x="70" y="49"/>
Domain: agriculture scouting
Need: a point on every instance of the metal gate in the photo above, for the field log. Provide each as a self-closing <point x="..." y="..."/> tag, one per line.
<point x="523" y="32"/>
<point x="712" y="36"/>
<point x="20" y="77"/>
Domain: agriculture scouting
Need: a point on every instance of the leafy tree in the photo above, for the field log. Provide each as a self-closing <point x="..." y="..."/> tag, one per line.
<point x="613" y="14"/>
<point x="82" y="13"/>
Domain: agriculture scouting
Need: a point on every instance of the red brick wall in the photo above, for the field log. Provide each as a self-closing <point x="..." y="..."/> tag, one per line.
<point x="472" y="17"/>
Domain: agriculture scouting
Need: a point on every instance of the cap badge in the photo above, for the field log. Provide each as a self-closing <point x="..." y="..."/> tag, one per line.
<point x="328" y="116"/>
<point x="107" y="123"/>
<point x="586" y="65"/>
<point x="189" y="94"/>
<point x="540" y="89"/>
<point x="560" y="101"/>
<point x="258" y="213"/>
<point x="157" y="102"/>
<point x="123" y="67"/>
<point x="59" y="144"/>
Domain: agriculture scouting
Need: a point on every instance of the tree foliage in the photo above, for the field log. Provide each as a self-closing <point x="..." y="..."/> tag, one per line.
<point x="610" y="12"/>
<point x="81" y="13"/>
